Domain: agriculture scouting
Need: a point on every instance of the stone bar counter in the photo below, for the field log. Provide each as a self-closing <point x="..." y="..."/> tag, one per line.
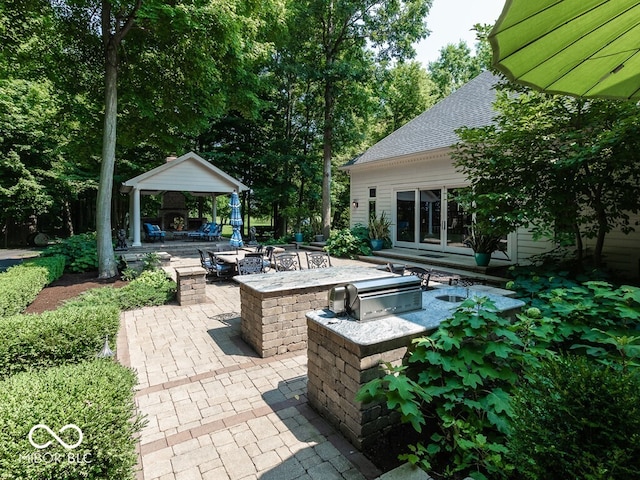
<point x="344" y="354"/>
<point x="273" y="305"/>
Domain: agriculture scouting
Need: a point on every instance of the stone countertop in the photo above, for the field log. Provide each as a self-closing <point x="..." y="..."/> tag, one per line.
<point x="386" y="330"/>
<point x="284" y="281"/>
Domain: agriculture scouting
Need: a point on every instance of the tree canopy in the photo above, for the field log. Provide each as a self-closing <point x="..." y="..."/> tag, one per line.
<point x="565" y="167"/>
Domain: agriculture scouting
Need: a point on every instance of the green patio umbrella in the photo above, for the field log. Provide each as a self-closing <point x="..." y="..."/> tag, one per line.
<point x="586" y="48"/>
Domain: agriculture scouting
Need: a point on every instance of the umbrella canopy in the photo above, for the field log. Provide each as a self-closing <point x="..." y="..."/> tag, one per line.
<point x="235" y="220"/>
<point x="587" y="48"/>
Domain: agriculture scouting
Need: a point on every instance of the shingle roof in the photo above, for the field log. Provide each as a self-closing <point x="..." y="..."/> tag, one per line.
<point x="470" y="106"/>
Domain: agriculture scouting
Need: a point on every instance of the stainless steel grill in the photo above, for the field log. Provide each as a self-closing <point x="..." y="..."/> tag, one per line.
<point x="371" y="299"/>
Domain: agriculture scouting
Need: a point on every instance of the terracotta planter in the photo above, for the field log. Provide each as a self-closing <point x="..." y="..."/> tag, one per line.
<point x="482" y="259"/>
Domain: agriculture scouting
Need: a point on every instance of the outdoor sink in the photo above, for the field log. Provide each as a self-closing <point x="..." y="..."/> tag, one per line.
<point x="451" y="298"/>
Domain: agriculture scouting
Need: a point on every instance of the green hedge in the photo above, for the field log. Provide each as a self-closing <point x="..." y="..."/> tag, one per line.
<point x="95" y="396"/>
<point x="20" y="285"/>
<point x="152" y="287"/>
<point x="67" y="335"/>
<point x="576" y="418"/>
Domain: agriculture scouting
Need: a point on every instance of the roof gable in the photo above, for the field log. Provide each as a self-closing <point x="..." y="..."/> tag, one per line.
<point x="187" y="173"/>
<point x="469" y="106"/>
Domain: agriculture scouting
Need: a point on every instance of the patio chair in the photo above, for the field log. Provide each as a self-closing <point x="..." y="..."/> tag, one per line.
<point x="206" y="263"/>
<point x="199" y="233"/>
<point x="285" y="262"/>
<point x="423" y="274"/>
<point x="214" y="232"/>
<point x="153" y="232"/>
<point x="221" y="269"/>
<point x="318" y="260"/>
<point x="250" y="265"/>
<point x="396" y="268"/>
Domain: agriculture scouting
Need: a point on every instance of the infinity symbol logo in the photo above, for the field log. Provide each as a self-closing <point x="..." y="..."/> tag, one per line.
<point x="56" y="437"/>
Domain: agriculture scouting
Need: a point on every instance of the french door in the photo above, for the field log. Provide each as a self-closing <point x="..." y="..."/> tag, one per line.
<point x="431" y="219"/>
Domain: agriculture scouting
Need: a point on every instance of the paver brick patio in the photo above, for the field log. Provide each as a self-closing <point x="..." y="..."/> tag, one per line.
<point x="216" y="410"/>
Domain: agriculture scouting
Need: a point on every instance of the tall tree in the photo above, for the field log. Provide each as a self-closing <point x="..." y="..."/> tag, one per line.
<point x="457" y="64"/>
<point x="338" y="35"/>
<point x="179" y="98"/>
<point x="564" y="167"/>
<point x="406" y="92"/>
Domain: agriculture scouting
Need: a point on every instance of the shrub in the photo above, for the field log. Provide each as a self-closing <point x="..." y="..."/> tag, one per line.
<point x="577" y="419"/>
<point x="80" y="252"/>
<point x="349" y="243"/>
<point x="95" y="396"/>
<point x="20" y="284"/>
<point x="456" y="385"/>
<point x="151" y="287"/>
<point x="66" y="335"/>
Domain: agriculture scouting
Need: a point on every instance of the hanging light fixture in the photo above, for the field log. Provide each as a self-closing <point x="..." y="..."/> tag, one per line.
<point x="106" y="352"/>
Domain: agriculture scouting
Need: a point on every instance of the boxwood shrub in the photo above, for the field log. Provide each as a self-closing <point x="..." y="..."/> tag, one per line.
<point x="67" y="335"/>
<point x="577" y="418"/>
<point x="95" y="396"/>
<point x="20" y="284"/>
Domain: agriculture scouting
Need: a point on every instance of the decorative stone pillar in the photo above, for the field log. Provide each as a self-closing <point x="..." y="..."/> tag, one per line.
<point x="191" y="285"/>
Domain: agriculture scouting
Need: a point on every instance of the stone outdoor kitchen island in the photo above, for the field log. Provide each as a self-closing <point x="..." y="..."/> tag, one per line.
<point x="273" y="305"/>
<point x="344" y="354"/>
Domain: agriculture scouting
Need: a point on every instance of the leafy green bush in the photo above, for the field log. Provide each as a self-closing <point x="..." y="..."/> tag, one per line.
<point x="151" y="287"/>
<point x="20" y="285"/>
<point x="67" y="335"/>
<point x="80" y="252"/>
<point x="457" y="385"/>
<point x="349" y="243"/>
<point x="95" y="396"/>
<point x="577" y="419"/>
<point x="458" y="382"/>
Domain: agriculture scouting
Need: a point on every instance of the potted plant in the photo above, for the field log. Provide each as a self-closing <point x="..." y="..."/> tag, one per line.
<point x="484" y="243"/>
<point x="178" y="223"/>
<point x="316" y="227"/>
<point x="379" y="231"/>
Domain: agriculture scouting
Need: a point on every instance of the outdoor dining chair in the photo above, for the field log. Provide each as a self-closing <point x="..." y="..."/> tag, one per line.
<point x="285" y="262"/>
<point x="396" y="268"/>
<point x="206" y="263"/>
<point x="221" y="269"/>
<point x="423" y="274"/>
<point x="318" y="260"/>
<point x="250" y="265"/>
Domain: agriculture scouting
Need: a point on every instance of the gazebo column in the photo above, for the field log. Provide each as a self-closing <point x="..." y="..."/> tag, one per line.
<point x="214" y="208"/>
<point x="135" y="223"/>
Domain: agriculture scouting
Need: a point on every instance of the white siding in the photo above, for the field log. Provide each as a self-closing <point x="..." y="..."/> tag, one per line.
<point x="196" y="176"/>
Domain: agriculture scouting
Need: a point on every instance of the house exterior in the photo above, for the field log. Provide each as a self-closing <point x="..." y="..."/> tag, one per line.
<point x="410" y="175"/>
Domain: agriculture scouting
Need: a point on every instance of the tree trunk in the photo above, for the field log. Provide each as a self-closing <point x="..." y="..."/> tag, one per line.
<point x="327" y="139"/>
<point x="107" y="266"/>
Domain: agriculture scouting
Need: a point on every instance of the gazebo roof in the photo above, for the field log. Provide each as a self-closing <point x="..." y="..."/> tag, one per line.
<point x="187" y="173"/>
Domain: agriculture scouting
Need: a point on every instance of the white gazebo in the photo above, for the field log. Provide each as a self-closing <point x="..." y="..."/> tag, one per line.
<point x="188" y="173"/>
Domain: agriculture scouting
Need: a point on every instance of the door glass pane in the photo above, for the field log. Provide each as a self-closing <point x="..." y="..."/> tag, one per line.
<point x="430" y="216"/>
<point x="458" y="221"/>
<point x="406" y="216"/>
